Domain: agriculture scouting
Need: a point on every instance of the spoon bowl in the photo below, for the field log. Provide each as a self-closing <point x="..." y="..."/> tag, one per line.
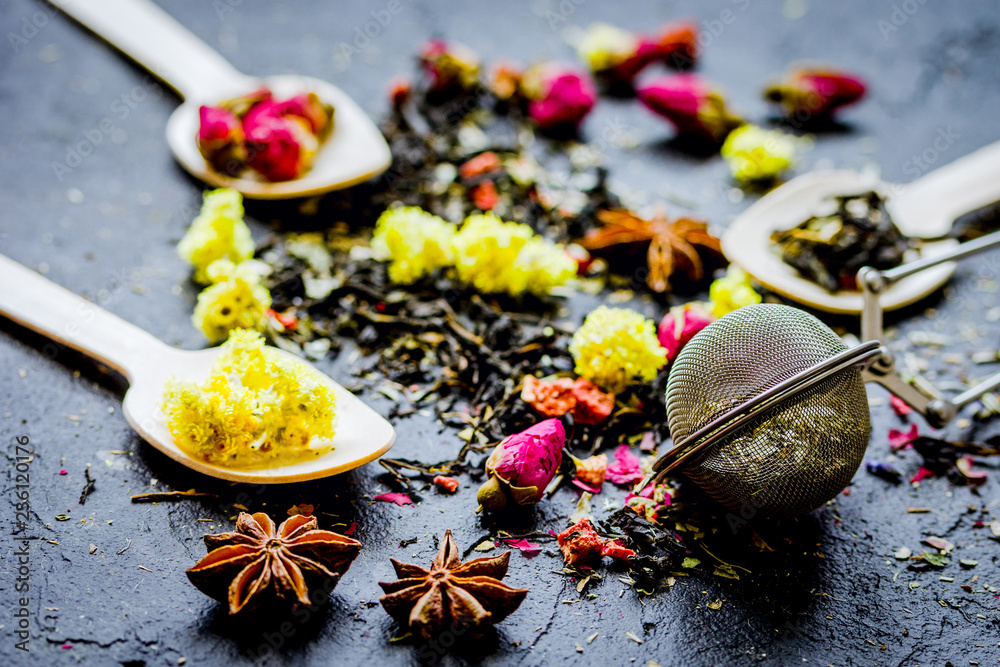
<point x="354" y="152"/>
<point x="362" y="435"/>
<point x="924" y="209"/>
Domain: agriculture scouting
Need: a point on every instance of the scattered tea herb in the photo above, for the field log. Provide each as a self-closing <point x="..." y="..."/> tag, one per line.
<point x="830" y="249"/>
<point x="88" y="486"/>
<point x="934" y="559"/>
<point x="658" y="551"/>
<point x="162" y="496"/>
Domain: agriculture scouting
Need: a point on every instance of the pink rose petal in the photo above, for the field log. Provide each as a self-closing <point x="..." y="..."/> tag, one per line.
<point x="899" y="405"/>
<point x="398" y="498"/>
<point x="350" y="531"/>
<point x="900" y="439"/>
<point x="648" y="442"/>
<point x="522" y="545"/>
<point x="973" y="477"/>
<point x="921" y="475"/>
<point x="626" y="467"/>
<point x="586" y="487"/>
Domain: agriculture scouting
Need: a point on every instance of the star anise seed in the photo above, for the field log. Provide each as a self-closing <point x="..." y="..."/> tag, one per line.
<point x="258" y="563"/>
<point x="681" y="245"/>
<point x="451" y="594"/>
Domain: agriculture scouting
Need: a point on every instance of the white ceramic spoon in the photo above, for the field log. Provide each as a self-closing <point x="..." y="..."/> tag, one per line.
<point x="924" y="208"/>
<point x="362" y="434"/>
<point x="354" y="152"/>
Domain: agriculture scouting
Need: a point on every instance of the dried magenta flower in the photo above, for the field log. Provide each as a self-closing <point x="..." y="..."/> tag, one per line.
<point x="309" y="107"/>
<point x="280" y="147"/>
<point x="691" y="105"/>
<point x="558" y="97"/>
<point x="522" y="466"/>
<point x="816" y="93"/>
<point x="680" y="325"/>
<point x="220" y="139"/>
<point x="276" y="138"/>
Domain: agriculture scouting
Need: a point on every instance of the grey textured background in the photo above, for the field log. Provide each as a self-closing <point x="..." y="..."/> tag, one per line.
<point x="830" y="594"/>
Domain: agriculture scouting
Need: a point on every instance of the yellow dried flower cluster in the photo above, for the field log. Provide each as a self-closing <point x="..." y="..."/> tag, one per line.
<point x="236" y="300"/>
<point x="219" y="246"/>
<point x="755" y="154"/>
<point x="415" y="242"/>
<point x="615" y="347"/>
<point x="732" y="291"/>
<point x="259" y="407"/>
<point x="217" y="233"/>
<point x="496" y="256"/>
<point x="487" y="253"/>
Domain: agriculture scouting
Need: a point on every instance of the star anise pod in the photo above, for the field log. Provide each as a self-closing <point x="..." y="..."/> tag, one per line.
<point x="260" y="564"/>
<point x="681" y="245"/>
<point x="451" y="595"/>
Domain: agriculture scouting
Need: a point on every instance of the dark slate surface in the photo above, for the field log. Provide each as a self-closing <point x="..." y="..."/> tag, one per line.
<point x="830" y="593"/>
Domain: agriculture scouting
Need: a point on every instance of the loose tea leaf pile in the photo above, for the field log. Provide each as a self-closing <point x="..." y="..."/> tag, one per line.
<point x="830" y="249"/>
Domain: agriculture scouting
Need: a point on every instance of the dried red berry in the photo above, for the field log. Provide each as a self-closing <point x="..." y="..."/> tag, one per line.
<point x="485" y="196"/>
<point x="580" y="544"/>
<point x="592" y="404"/>
<point x="449" y="484"/>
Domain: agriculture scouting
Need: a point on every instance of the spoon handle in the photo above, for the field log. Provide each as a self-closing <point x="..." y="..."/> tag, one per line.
<point x="53" y="311"/>
<point x="934" y="200"/>
<point x="148" y="35"/>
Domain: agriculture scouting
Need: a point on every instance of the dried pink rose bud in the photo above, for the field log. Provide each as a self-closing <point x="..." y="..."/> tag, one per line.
<point x="522" y="466"/>
<point x="808" y="93"/>
<point x="691" y="105"/>
<point x="308" y="106"/>
<point x="558" y="97"/>
<point x="280" y="147"/>
<point x="220" y="139"/>
<point x="680" y="325"/>
<point x="449" y="66"/>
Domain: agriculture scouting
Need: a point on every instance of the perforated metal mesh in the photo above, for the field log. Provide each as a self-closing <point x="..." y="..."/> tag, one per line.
<point x="792" y="458"/>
